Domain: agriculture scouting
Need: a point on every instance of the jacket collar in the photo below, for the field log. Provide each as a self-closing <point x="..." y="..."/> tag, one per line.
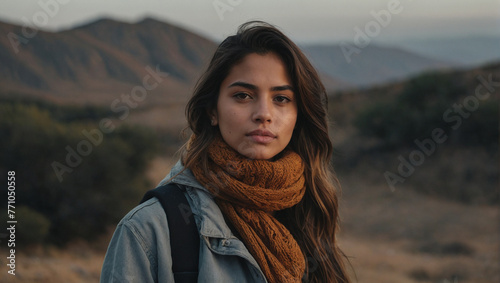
<point x="207" y="213"/>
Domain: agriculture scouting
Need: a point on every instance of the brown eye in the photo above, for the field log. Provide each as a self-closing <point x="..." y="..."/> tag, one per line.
<point x="242" y="96"/>
<point x="282" y="99"/>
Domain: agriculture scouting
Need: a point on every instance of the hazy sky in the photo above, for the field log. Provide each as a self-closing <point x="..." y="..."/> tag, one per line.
<point x="304" y="21"/>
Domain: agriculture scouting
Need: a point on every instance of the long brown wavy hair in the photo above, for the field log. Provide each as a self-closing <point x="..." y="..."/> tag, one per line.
<point x="314" y="221"/>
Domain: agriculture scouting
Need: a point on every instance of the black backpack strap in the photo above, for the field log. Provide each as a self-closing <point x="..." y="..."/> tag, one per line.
<point x="184" y="236"/>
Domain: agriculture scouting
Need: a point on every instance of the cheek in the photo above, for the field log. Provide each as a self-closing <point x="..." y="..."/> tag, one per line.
<point x="289" y="120"/>
<point x="229" y="121"/>
<point x="232" y="117"/>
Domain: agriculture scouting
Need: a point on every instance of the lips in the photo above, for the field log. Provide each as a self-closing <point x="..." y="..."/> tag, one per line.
<point x="262" y="136"/>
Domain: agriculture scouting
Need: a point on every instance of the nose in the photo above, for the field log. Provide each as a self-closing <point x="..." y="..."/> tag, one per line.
<point x="263" y="111"/>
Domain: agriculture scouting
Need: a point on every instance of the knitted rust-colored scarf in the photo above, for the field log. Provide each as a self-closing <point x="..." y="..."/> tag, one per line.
<point x="247" y="192"/>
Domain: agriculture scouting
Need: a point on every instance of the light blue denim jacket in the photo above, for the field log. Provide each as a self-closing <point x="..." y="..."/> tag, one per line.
<point x="140" y="248"/>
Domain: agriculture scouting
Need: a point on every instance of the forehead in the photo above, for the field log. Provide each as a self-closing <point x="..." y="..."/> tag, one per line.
<point x="266" y="69"/>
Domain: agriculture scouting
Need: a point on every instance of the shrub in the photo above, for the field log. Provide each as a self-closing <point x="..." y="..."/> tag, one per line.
<point x="446" y="249"/>
<point x="32" y="227"/>
<point x="96" y="193"/>
<point x="419" y="108"/>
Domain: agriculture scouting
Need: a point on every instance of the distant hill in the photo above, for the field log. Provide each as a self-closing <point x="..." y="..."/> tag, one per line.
<point x="94" y="63"/>
<point x="461" y="51"/>
<point x="372" y="65"/>
<point x="344" y="105"/>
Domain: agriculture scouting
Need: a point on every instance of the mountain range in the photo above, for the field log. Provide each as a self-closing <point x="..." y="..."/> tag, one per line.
<point x="370" y="65"/>
<point x="466" y="51"/>
<point x="94" y="62"/>
<point x="106" y="61"/>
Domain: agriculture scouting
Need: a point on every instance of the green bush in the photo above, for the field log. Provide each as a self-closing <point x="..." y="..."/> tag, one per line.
<point x="96" y="193"/>
<point x="32" y="227"/>
<point x="419" y="108"/>
<point x="481" y="127"/>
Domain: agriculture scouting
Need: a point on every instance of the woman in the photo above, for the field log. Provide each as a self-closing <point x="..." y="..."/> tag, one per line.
<point x="256" y="173"/>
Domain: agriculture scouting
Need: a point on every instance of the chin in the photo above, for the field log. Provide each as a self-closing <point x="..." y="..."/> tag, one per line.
<point x="259" y="154"/>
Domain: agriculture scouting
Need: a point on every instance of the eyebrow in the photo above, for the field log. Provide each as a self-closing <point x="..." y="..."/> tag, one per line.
<point x="254" y="87"/>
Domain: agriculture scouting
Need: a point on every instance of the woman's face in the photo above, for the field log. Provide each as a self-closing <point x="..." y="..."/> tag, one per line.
<point x="257" y="108"/>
